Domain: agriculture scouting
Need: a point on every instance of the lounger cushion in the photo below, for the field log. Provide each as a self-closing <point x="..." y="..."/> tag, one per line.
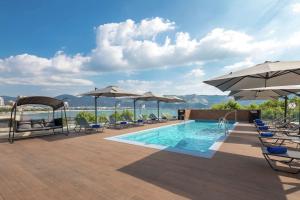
<point x="260" y="124"/>
<point x="258" y="120"/>
<point x="267" y="134"/>
<point x="38" y="125"/>
<point x="58" y="122"/>
<point x="49" y="124"/>
<point x="123" y="122"/>
<point x="95" y="126"/>
<point x="263" y="128"/>
<point x="277" y="150"/>
<point x="24" y="126"/>
<point x="140" y="120"/>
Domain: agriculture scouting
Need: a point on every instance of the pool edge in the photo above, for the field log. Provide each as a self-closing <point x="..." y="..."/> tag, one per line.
<point x="212" y="149"/>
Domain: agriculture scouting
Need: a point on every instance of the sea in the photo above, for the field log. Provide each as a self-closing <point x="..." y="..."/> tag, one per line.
<point x="72" y="113"/>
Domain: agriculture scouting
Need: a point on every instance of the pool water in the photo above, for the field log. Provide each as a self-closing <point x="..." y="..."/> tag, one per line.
<point x="198" y="138"/>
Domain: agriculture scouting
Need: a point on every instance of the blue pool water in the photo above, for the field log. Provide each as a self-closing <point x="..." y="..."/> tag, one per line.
<point x="199" y="138"/>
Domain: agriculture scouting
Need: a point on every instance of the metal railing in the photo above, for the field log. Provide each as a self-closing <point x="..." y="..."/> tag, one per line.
<point x="223" y="122"/>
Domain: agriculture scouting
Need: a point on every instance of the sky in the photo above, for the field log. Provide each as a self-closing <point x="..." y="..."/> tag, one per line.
<point x="164" y="46"/>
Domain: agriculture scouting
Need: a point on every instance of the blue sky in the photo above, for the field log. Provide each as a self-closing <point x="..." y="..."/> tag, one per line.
<point x="168" y="47"/>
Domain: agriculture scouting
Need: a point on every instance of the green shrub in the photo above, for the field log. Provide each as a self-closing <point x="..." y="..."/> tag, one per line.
<point x="168" y="115"/>
<point x="252" y="107"/>
<point x="127" y="114"/>
<point x="229" y="105"/>
<point x="102" y="118"/>
<point x="117" y="116"/>
<point x="5" y="109"/>
<point x="90" y="117"/>
<point x="144" y="116"/>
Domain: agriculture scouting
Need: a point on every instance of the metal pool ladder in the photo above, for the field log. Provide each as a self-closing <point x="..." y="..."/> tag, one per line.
<point x="223" y="122"/>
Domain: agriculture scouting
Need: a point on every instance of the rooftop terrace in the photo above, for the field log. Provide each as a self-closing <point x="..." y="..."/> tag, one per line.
<point x="86" y="166"/>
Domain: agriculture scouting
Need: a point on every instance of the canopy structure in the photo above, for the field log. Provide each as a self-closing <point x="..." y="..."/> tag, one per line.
<point x="266" y="74"/>
<point x="109" y="91"/>
<point x="37" y="125"/>
<point x="40" y="100"/>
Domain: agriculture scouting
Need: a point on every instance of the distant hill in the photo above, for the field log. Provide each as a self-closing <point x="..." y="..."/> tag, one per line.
<point x="8" y="98"/>
<point x="192" y="101"/>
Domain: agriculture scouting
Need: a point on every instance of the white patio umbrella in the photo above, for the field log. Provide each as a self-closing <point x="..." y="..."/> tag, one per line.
<point x="266" y="74"/>
<point x="175" y="99"/>
<point x="267" y="93"/>
<point x="109" y="91"/>
<point x="149" y="96"/>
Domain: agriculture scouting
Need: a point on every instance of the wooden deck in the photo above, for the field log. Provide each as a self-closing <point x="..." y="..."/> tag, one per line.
<point x="90" y="167"/>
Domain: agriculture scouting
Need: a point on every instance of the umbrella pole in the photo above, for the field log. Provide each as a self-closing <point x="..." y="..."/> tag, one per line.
<point x="115" y="111"/>
<point x="134" y="115"/>
<point x="96" y="113"/>
<point x="299" y="112"/>
<point x="285" y="108"/>
<point x="158" y="109"/>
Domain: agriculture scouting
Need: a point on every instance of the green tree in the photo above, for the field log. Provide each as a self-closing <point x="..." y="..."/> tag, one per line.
<point x="229" y="105"/>
<point x="127" y="114"/>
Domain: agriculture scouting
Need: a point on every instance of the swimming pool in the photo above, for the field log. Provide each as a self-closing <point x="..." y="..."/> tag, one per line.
<point x="197" y="138"/>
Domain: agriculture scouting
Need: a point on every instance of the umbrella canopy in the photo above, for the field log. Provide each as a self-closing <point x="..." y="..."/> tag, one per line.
<point x="109" y="91"/>
<point x="174" y="99"/>
<point x="265" y="93"/>
<point x="267" y="74"/>
<point x="241" y="98"/>
<point x="149" y="96"/>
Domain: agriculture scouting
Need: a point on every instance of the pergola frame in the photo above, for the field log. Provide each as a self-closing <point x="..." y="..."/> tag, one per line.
<point x="55" y="104"/>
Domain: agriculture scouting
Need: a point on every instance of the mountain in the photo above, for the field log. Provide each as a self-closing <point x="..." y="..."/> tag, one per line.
<point x="192" y="101"/>
<point x="8" y="98"/>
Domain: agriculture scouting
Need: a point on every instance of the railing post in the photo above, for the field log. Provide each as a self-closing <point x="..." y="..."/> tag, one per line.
<point x="235" y="115"/>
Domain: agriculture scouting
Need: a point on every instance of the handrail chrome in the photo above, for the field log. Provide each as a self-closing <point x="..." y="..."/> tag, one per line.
<point x="223" y="122"/>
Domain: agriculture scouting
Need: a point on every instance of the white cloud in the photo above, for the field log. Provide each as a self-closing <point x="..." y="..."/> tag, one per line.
<point x="195" y="73"/>
<point x="130" y="46"/>
<point x="142" y="86"/>
<point x="24" y="64"/>
<point x="296" y="8"/>
<point x="189" y="83"/>
<point x="126" y="45"/>
<point x="45" y="81"/>
<point x="25" y="69"/>
<point x="239" y="65"/>
<point x="194" y="86"/>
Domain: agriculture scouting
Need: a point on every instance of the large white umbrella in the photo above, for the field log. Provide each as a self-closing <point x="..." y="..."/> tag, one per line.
<point x="266" y="74"/>
<point x="109" y="91"/>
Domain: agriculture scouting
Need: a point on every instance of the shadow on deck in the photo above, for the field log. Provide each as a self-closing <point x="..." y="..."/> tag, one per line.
<point x="231" y="173"/>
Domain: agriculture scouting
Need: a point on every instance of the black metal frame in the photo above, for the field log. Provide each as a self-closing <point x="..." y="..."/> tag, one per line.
<point x="13" y="126"/>
<point x="286" y="162"/>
